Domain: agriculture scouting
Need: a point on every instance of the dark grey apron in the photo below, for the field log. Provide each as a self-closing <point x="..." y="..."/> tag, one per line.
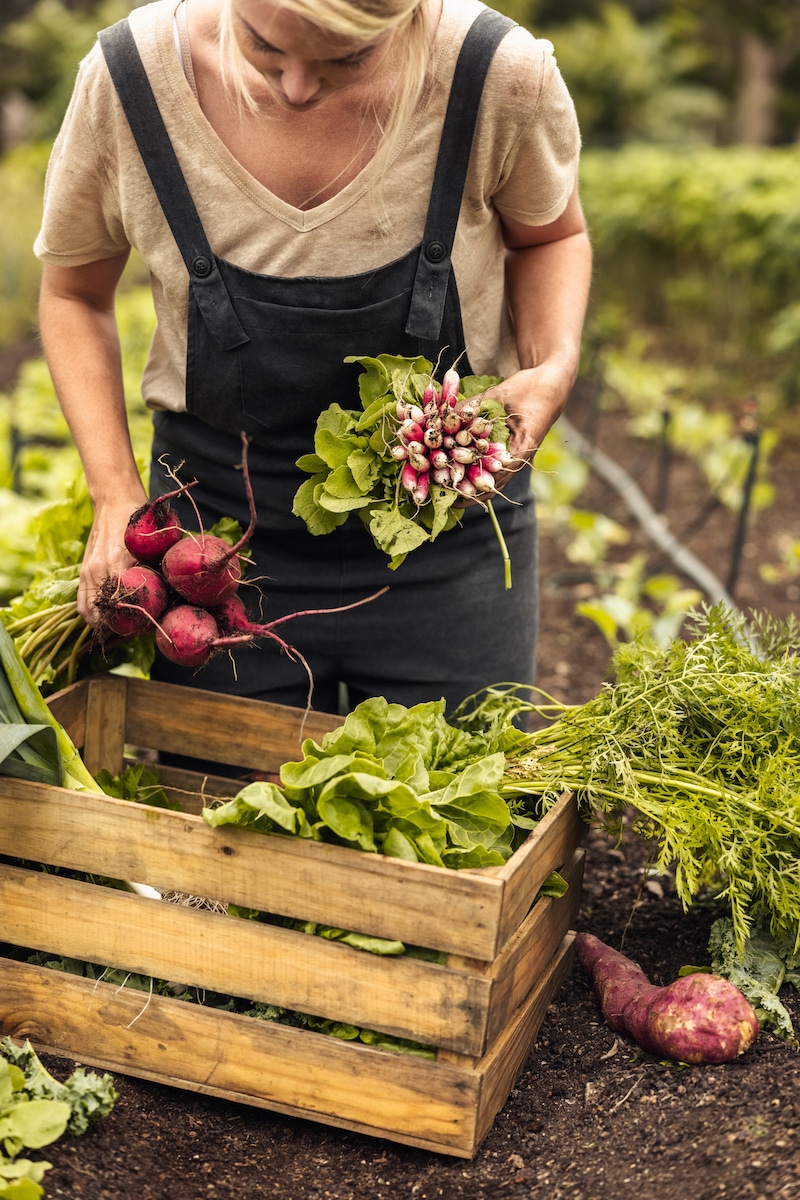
<point x="265" y="356"/>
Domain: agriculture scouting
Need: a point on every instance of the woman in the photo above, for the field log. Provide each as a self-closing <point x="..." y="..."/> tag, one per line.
<point x="307" y="180"/>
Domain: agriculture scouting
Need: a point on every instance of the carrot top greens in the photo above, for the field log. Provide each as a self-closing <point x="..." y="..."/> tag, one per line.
<point x="702" y="740"/>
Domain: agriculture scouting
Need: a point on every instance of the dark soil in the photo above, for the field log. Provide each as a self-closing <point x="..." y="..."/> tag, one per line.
<point x="591" y="1116"/>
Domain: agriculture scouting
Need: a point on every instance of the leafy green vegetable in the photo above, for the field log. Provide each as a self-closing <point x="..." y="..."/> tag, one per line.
<point x="136" y="782"/>
<point x="36" y="1110"/>
<point x="88" y="1096"/>
<point x="763" y="967"/>
<point x="398" y="781"/>
<point x="353" y="471"/>
<point x="32" y="743"/>
<point x="53" y="640"/>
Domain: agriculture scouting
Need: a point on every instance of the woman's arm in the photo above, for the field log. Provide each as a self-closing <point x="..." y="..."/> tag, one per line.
<point x="549" y="271"/>
<point x="81" y="345"/>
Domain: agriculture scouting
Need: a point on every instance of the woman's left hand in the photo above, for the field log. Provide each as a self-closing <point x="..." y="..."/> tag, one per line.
<point x="533" y="399"/>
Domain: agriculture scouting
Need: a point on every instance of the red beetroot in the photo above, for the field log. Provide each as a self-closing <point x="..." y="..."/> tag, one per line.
<point x="204" y="569"/>
<point x="131" y="603"/>
<point x="233" y="618"/>
<point x="190" y="636"/>
<point x="155" y="527"/>
<point x="697" y="1019"/>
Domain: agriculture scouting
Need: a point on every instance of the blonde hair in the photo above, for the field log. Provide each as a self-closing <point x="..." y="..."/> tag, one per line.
<point x="356" y="21"/>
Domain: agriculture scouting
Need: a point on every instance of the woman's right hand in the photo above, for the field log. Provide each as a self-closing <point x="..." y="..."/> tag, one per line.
<point x="105" y="555"/>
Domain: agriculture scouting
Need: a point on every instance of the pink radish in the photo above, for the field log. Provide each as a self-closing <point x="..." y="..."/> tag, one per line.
<point x="697" y="1019"/>
<point x="129" y="604"/>
<point x="154" y="527"/>
<point x="420" y="492"/>
<point x="450" y="385"/>
<point x="408" y="477"/>
<point x="482" y="479"/>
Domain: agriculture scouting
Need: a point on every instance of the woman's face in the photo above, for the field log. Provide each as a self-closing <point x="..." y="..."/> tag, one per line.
<point x="301" y="63"/>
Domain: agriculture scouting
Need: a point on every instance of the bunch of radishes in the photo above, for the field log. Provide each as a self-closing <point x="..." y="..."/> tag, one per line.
<point x="183" y="586"/>
<point x="448" y="441"/>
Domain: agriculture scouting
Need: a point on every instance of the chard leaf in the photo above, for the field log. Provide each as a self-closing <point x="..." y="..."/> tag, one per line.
<point x="428" y="851"/>
<point x="359" y="786"/>
<point x="348" y="819"/>
<point x="397" y="845"/>
<point x="262" y="806"/>
<point x="315" y="773"/>
<point x="478" y="856"/>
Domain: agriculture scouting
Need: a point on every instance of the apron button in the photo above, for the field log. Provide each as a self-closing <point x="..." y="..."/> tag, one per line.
<point x="201" y="266"/>
<point x="435" y="251"/>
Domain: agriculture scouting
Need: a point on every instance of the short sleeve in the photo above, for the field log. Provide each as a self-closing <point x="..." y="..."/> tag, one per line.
<point x="540" y="168"/>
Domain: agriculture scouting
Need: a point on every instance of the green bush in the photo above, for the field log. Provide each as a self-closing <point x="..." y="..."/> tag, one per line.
<point x="704" y="243"/>
<point x="21" y="185"/>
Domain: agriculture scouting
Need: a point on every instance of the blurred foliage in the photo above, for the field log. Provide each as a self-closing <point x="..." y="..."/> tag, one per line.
<point x="634" y="81"/>
<point x="40" y="53"/>
<point x="38" y="460"/>
<point x="701" y="244"/>
<point x="647" y="69"/>
<point x="21" y="182"/>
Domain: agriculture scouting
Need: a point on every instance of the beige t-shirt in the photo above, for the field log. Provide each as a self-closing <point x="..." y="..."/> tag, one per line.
<point x="99" y="199"/>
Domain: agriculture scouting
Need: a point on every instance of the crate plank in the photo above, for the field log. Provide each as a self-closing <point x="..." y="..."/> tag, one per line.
<point x="504" y="1061"/>
<point x="104" y="738"/>
<point x="312" y="881"/>
<point x="432" y="1105"/>
<point x="556" y="837"/>
<point x="533" y="944"/>
<point x="399" y="995"/>
<point x="416" y="1101"/>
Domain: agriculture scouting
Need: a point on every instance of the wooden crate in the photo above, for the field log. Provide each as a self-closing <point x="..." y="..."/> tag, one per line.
<point x="481" y="1009"/>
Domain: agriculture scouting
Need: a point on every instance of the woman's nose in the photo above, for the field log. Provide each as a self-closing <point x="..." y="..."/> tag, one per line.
<point x="299" y="81"/>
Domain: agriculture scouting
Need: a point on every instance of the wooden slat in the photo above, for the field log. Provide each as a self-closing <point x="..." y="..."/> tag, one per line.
<point x="502" y="1064"/>
<point x="296" y="1072"/>
<point x="104" y="742"/>
<point x="527" y="955"/>
<point x="332" y="885"/>
<point x="551" y="844"/>
<point x="248" y="733"/>
<point x="69" y="708"/>
<point x="394" y="994"/>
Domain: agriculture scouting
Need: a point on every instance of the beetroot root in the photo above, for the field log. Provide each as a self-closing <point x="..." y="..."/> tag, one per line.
<point x="699" y="1018"/>
<point x="189" y="636"/>
<point x="131" y="602"/>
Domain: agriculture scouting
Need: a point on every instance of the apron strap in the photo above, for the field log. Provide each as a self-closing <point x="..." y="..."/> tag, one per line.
<point x="147" y="126"/>
<point x="434" y="265"/>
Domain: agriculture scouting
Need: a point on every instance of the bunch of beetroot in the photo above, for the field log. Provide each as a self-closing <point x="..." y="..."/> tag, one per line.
<point x="447" y="441"/>
<point x="184" y="586"/>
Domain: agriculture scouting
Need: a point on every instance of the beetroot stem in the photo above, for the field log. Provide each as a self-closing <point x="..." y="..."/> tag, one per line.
<point x="313" y="612"/>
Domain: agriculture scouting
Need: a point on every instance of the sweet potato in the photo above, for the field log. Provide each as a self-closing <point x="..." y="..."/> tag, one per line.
<point x="699" y="1018"/>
